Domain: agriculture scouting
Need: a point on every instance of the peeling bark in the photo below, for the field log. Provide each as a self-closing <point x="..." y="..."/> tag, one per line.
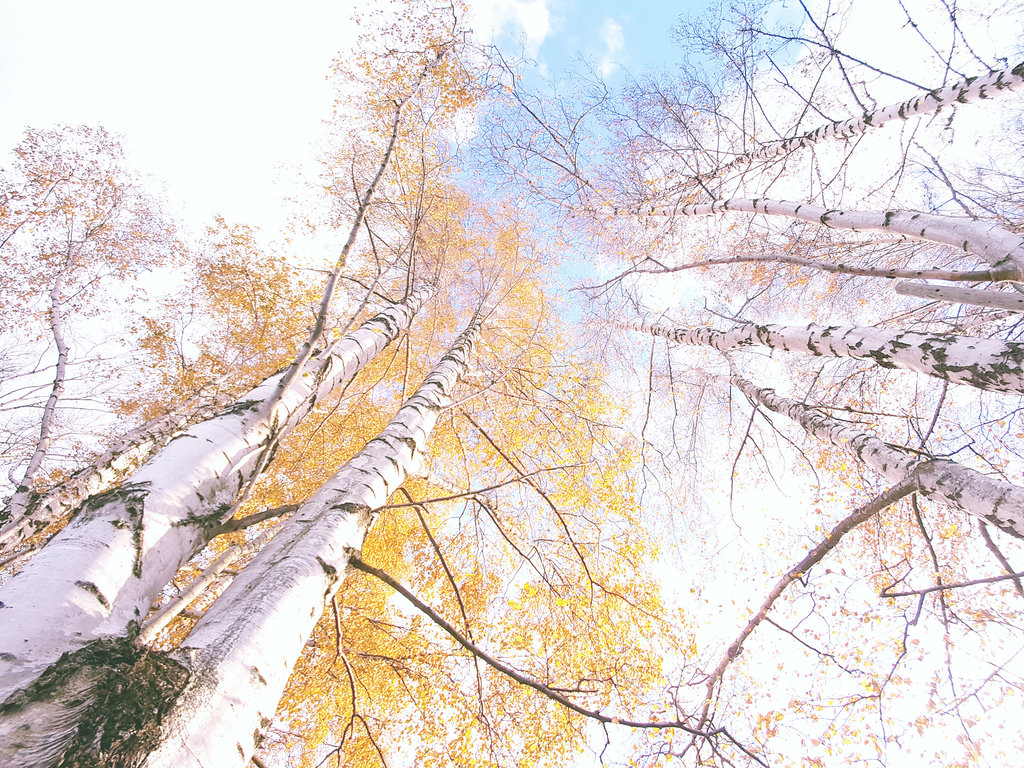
<point x="946" y="482"/>
<point x="988" y="364"/>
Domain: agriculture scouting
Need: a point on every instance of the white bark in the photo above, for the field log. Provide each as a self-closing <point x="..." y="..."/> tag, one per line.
<point x="243" y="649"/>
<point x="200" y="583"/>
<point x="962" y="92"/>
<point x="997" y="246"/>
<point x="100" y="574"/>
<point x="983" y="363"/>
<point x="320" y="326"/>
<point x="992" y="500"/>
<point x="19" y="501"/>
<point x="979" y="298"/>
<point x="994" y="275"/>
<point x="124" y="455"/>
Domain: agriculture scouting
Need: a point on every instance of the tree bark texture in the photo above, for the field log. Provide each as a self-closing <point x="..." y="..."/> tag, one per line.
<point x="842" y="268"/>
<point x="946" y="482"/>
<point x="961" y="92"/>
<point x="983" y="363"/>
<point x="990" y="242"/>
<point x="19" y="500"/>
<point x="1014" y="302"/>
<point x="241" y="652"/>
<point x="100" y="574"/>
<point x="125" y="454"/>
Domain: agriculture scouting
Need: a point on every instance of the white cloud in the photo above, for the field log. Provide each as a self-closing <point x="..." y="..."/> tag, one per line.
<point x="614" y="43"/>
<point x="530" y="19"/>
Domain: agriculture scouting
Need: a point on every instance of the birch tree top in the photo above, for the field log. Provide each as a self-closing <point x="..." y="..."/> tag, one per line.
<point x="657" y="407"/>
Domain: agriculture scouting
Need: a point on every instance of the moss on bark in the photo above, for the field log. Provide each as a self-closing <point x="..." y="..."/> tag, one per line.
<point x="101" y="705"/>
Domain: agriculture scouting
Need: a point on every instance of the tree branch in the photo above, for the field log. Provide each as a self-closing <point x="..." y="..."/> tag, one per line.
<point x="519" y="677"/>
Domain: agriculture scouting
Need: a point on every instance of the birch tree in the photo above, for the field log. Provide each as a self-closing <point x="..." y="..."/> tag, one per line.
<point x="815" y="251"/>
<point x="123" y="546"/>
<point x="72" y="218"/>
<point x="983" y="363"/>
<point x="215" y="716"/>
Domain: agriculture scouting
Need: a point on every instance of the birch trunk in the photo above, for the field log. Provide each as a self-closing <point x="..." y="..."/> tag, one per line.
<point x="841" y="268"/>
<point x="962" y="92"/>
<point x="956" y="295"/>
<point x="19" y="501"/>
<point x="156" y="623"/>
<point x="218" y="692"/>
<point x="990" y="242"/>
<point x="983" y="363"/>
<point x="241" y="652"/>
<point x="946" y="482"/>
<point x="100" y="574"/>
<point x="126" y="453"/>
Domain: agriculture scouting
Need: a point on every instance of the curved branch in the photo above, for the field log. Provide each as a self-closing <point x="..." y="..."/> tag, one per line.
<point x="813" y="557"/>
<point x="530" y="682"/>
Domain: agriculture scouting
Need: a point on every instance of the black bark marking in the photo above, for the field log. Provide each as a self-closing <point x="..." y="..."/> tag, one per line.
<point x="210" y="522"/>
<point x="258" y="676"/>
<point x="93" y="590"/>
<point x="242" y="406"/>
<point x="330" y="571"/>
<point x="114" y="696"/>
<point x="131" y="498"/>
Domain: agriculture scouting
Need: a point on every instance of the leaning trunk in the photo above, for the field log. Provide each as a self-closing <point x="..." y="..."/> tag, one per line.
<point x="961" y="92"/>
<point x="127" y="452"/>
<point x="241" y="652"/>
<point x="982" y="363"/>
<point x="100" y="574"/>
<point x="997" y="246"/>
<point x="946" y="482"/>
<point x="208" y="703"/>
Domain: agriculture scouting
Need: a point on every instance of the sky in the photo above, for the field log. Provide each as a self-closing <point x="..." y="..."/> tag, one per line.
<point x="221" y="101"/>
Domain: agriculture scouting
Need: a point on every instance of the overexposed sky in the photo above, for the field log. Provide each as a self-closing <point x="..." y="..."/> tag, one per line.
<point x="211" y="96"/>
<point x="222" y="99"/>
